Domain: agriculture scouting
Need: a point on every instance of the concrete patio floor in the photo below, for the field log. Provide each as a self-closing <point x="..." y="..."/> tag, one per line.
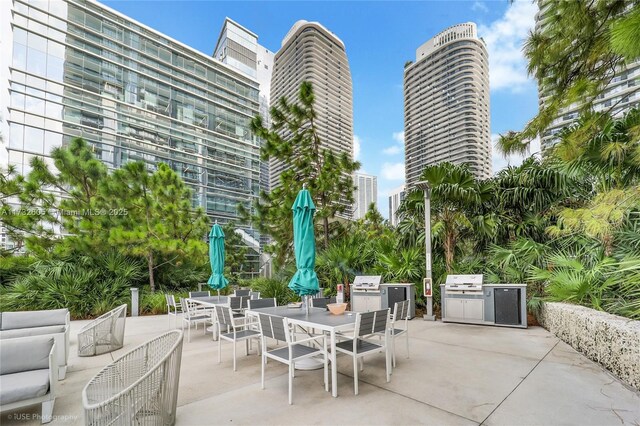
<point x="457" y="374"/>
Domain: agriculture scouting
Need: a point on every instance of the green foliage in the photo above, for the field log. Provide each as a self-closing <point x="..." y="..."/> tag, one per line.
<point x="270" y="288"/>
<point x="87" y="286"/>
<point x="12" y="267"/>
<point x="573" y="56"/>
<point x="293" y="139"/>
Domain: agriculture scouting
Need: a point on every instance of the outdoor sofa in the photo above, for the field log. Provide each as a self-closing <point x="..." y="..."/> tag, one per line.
<point x="28" y="373"/>
<point x="53" y="323"/>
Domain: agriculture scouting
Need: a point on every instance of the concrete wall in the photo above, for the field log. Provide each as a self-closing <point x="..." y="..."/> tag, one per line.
<point x="610" y="340"/>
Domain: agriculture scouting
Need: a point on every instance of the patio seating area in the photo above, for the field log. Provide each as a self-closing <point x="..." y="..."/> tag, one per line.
<point x="457" y="374"/>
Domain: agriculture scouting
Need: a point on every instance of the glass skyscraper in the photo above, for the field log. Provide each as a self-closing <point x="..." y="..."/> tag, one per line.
<point x="80" y="69"/>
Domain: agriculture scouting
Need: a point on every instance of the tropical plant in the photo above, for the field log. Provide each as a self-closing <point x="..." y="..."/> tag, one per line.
<point x="273" y="288"/>
<point x="294" y="140"/>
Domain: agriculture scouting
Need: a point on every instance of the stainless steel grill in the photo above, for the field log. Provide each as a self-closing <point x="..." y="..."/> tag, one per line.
<point x="463" y="284"/>
<point x="366" y="283"/>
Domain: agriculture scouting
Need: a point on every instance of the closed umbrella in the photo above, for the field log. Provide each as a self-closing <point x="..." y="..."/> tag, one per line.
<point x="217" y="281"/>
<point x="305" y="280"/>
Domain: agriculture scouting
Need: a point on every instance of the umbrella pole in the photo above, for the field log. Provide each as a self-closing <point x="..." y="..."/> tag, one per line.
<point x="218" y="295"/>
<point x="307" y="297"/>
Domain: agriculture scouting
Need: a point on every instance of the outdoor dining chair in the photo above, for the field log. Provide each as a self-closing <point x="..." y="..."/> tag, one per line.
<point x="368" y="325"/>
<point x="199" y="294"/>
<point x="192" y="315"/>
<point x="238" y="304"/>
<point x="400" y="314"/>
<point x="238" y="330"/>
<point x="254" y="295"/>
<point x="241" y="292"/>
<point x="173" y="308"/>
<point x="322" y="302"/>
<point x="275" y="327"/>
<point x="262" y="303"/>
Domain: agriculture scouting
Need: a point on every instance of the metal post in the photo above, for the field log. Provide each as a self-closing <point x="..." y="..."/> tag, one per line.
<point x="427" y="246"/>
<point x="134" y="301"/>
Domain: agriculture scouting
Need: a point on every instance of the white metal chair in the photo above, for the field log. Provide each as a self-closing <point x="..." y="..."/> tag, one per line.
<point x="173" y="308"/>
<point x="368" y="325"/>
<point x="139" y="388"/>
<point x="241" y="292"/>
<point x="238" y="330"/>
<point x="199" y="294"/>
<point x="400" y="314"/>
<point x="277" y="328"/>
<point x="238" y="304"/>
<point x="262" y="303"/>
<point x="103" y="334"/>
<point x="254" y="295"/>
<point x="322" y="302"/>
<point x="192" y="315"/>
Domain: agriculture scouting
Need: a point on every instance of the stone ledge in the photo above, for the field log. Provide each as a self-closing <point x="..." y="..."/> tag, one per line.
<point x="610" y="340"/>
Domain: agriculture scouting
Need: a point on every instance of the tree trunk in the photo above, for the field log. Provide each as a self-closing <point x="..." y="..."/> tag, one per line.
<point x="448" y="250"/>
<point x="152" y="282"/>
<point x="325" y="224"/>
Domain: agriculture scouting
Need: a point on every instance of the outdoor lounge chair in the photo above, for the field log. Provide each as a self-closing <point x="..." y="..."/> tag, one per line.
<point x="238" y="330"/>
<point x="103" y="334"/>
<point x="368" y="324"/>
<point x="29" y="373"/>
<point x="139" y="388"/>
<point x="277" y="328"/>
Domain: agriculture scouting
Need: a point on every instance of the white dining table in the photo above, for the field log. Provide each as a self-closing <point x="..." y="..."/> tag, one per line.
<point x="319" y="319"/>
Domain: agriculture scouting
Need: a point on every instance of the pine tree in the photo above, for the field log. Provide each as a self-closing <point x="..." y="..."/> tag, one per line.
<point x="294" y="140"/>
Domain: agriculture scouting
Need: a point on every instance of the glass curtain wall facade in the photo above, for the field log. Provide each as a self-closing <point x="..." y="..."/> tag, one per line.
<point x="79" y="69"/>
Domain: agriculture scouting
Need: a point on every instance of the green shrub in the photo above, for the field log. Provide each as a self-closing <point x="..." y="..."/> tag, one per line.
<point x="269" y="288"/>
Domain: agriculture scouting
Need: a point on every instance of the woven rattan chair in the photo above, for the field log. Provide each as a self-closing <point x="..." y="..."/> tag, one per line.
<point x="103" y="334"/>
<point x="139" y="388"/>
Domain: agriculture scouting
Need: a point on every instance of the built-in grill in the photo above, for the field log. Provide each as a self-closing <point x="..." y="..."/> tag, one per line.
<point x="365" y="293"/>
<point x="463" y="284"/>
<point x="366" y="283"/>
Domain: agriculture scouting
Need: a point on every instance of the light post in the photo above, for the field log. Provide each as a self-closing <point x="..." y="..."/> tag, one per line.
<point x="428" y="282"/>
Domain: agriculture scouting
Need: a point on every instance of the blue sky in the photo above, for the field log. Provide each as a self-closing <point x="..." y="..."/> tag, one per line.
<point x="380" y="36"/>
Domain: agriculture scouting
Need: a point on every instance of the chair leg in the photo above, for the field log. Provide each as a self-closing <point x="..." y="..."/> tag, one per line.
<point x="291" y="368"/>
<point x="219" y="349"/>
<point x="393" y="349"/>
<point x="47" y="411"/>
<point x="234" y="355"/>
<point x="388" y="362"/>
<point x="361" y="364"/>
<point x="263" y="365"/>
<point x="326" y="367"/>
<point x="355" y="375"/>
<point x="407" y="340"/>
<point x="189" y="334"/>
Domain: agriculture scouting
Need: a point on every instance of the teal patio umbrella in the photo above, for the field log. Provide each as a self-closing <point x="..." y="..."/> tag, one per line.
<point x="217" y="281"/>
<point x="305" y="280"/>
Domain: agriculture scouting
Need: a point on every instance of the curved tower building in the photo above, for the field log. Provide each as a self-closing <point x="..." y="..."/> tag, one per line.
<point x="312" y="53"/>
<point x="446" y="104"/>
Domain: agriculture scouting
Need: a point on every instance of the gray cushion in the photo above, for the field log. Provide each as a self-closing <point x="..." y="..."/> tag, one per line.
<point x="26" y="385"/>
<point x="36" y="331"/>
<point x="24" y="354"/>
<point x="28" y="319"/>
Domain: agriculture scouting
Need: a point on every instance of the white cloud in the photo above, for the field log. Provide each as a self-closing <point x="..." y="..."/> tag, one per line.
<point x="392" y="171"/>
<point x="398" y="137"/>
<point x="479" y="6"/>
<point x="392" y="150"/>
<point x="505" y="38"/>
<point x="356" y="147"/>
<point x="500" y="162"/>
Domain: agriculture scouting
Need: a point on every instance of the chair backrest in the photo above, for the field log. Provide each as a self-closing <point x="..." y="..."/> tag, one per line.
<point x="225" y="315"/>
<point x="241" y="292"/>
<point x="199" y="294"/>
<point x="322" y="302"/>
<point x="187" y="307"/>
<point x="254" y="295"/>
<point x="274" y="327"/>
<point x="235" y="302"/>
<point x="401" y="310"/>
<point x="244" y="302"/>
<point x="171" y="300"/>
<point x="372" y="322"/>
<point x="262" y="303"/>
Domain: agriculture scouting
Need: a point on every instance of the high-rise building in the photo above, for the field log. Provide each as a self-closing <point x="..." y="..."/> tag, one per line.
<point x="395" y="199"/>
<point x="77" y="68"/>
<point x="446" y="104"/>
<point x="620" y="95"/>
<point x="238" y="47"/>
<point x="366" y="192"/>
<point x="312" y="53"/>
